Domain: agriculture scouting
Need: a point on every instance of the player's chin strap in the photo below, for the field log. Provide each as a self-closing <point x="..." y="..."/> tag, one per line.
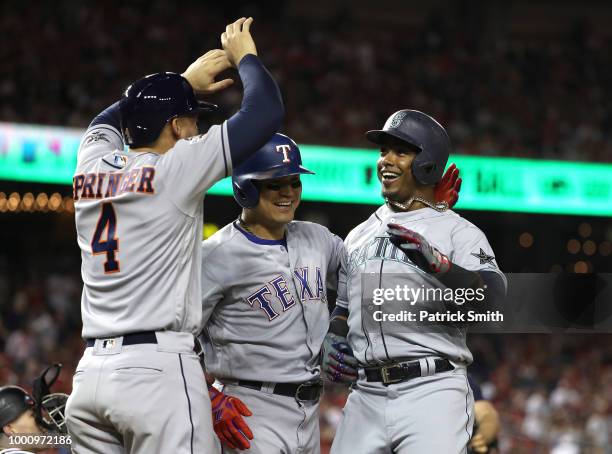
<point x="438" y="206"/>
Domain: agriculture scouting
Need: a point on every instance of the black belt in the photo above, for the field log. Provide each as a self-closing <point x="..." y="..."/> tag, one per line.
<point x="308" y="391"/>
<point x="145" y="337"/>
<point x="396" y="373"/>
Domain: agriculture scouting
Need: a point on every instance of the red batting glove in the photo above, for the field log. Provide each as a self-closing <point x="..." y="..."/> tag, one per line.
<point x="227" y="413"/>
<point x="447" y="189"/>
<point x="418" y="249"/>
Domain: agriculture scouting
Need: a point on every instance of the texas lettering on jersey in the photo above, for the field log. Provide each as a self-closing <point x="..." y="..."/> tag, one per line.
<point x="105" y="185"/>
<point x="277" y="288"/>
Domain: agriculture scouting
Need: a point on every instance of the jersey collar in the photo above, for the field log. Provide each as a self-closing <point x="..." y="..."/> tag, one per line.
<point x="255" y="239"/>
<point x="384" y="212"/>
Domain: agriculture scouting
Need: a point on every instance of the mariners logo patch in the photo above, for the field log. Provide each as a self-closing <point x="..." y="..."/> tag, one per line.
<point x="483" y="257"/>
<point x="397" y="120"/>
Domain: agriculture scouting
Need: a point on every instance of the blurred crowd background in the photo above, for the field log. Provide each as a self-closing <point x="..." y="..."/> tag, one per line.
<point x="512" y="93"/>
<point x="529" y="79"/>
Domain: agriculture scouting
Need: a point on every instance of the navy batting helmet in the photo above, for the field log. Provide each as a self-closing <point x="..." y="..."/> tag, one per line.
<point x="14" y="401"/>
<point x="149" y="103"/>
<point x="278" y="158"/>
<point x="423" y="133"/>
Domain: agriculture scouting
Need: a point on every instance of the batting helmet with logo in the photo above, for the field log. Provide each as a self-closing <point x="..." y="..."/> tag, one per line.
<point x="278" y="158"/>
<point x="14" y="401"/>
<point x="426" y="135"/>
<point x="149" y="103"/>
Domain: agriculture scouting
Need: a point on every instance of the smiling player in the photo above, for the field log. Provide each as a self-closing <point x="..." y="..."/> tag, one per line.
<point x="265" y="303"/>
<point x="412" y="392"/>
<point x="265" y="279"/>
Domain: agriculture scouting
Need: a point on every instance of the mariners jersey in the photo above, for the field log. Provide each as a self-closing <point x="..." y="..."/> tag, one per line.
<point x="139" y="227"/>
<point x="265" y="302"/>
<point x="369" y="253"/>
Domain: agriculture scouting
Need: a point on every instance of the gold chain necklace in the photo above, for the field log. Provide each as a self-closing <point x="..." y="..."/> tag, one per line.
<point x="438" y="206"/>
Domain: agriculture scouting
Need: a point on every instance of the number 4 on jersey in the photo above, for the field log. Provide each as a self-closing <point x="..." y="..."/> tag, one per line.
<point x="108" y="223"/>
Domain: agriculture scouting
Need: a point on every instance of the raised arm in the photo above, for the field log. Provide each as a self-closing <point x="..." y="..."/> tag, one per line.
<point x="261" y="112"/>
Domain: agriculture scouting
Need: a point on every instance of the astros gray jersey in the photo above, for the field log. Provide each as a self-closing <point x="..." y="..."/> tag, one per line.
<point x="369" y="251"/>
<point x="265" y="302"/>
<point x="139" y="221"/>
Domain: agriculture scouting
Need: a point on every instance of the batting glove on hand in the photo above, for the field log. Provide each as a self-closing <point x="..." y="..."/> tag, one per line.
<point x="447" y="189"/>
<point x="418" y="250"/>
<point x="227" y="413"/>
<point x="339" y="364"/>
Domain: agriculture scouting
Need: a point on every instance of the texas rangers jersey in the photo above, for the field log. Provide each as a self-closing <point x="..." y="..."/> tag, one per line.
<point x="265" y="302"/>
<point x="369" y="253"/>
<point x="139" y="227"/>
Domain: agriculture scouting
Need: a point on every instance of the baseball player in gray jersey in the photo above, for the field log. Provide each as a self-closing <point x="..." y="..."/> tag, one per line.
<point x="412" y="393"/>
<point x="139" y="223"/>
<point x="266" y="319"/>
<point x="265" y="279"/>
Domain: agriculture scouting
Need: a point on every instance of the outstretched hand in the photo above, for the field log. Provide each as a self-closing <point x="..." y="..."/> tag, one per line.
<point x="237" y="40"/>
<point x="202" y="72"/>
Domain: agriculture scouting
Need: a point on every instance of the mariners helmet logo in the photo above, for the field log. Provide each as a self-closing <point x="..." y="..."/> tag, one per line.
<point x="397" y="120"/>
<point x="284" y="149"/>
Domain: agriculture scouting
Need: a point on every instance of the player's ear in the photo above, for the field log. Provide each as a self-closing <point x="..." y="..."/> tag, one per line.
<point x="175" y="127"/>
<point x="7" y="429"/>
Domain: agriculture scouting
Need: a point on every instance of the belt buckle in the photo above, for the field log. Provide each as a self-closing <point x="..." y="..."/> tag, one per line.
<point x="386" y="375"/>
<point x="304" y="386"/>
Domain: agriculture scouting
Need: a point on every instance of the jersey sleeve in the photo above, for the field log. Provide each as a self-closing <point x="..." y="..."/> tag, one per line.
<point x="336" y="249"/>
<point x="342" y="298"/>
<point x="212" y="286"/>
<point x="472" y="251"/>
<point x="98" y="141"/>
<point x="193" y="166"/>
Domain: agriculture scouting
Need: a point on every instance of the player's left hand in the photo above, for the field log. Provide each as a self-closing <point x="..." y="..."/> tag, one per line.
<point x="447" y="189"/>
<point x="339" y="363"/>
<point x="230" y="427"/>
<point x="416" y="247"/>
<point x="202" y="72"/>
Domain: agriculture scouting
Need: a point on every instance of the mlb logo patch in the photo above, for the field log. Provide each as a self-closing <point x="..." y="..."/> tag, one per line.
<point x="108" y="344"/>
<point x="120" y="160"/>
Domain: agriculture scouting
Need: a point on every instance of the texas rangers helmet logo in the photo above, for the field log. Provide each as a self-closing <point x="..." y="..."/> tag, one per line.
<point x="284" y="149"/>
<point x="397" y="120"/>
